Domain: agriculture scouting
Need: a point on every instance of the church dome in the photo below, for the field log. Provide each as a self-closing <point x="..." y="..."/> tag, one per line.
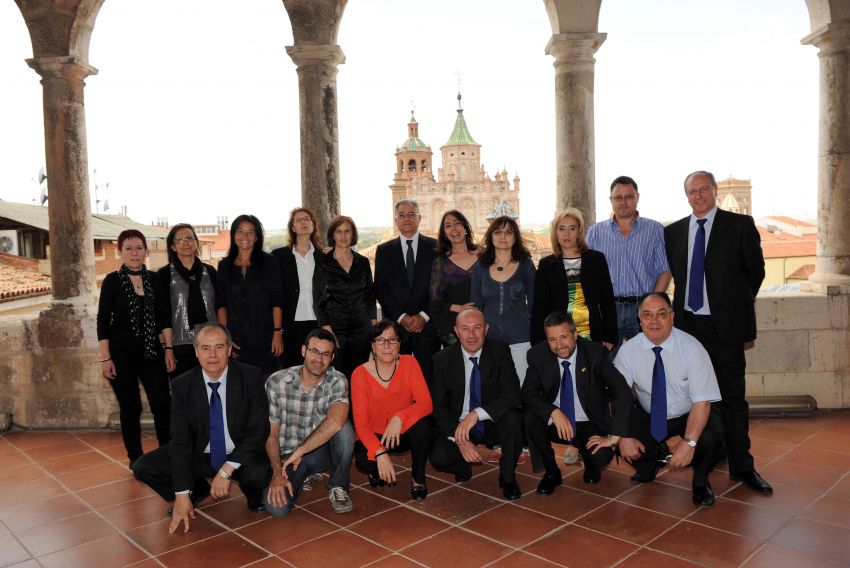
<point x="414" y="144"/>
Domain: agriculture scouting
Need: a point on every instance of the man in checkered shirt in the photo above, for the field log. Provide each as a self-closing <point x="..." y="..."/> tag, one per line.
<point x="310" y="432"/>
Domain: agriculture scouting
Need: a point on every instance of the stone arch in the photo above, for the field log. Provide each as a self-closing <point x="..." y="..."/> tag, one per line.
<point x="60" y="30"/>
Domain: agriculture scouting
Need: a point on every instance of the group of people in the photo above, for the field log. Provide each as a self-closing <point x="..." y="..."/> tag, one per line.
<point x="477" y="346"/>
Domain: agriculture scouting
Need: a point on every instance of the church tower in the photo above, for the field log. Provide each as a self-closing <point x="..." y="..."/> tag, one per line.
<point x="735" y="195"/>
<point x="461" y="154"/>
<point x="413" y="160"/>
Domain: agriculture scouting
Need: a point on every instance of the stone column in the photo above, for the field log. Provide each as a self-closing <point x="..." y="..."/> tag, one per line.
<point x="574" y="137"/>
<point x="832" y="266"/>
<point x="317" y="68"/>
<point x="69" y="205"/>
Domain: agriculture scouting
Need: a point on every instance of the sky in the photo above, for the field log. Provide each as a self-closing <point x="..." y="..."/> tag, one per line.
<point x="194" y="111"/>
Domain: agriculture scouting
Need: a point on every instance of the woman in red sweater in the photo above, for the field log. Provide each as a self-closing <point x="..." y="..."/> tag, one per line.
<point x="391" y="405"/>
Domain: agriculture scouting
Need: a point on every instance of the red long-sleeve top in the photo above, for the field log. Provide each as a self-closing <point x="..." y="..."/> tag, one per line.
<point x="374" y="406"/>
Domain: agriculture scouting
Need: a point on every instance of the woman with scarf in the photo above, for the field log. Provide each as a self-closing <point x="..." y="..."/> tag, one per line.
<point x="188" y="290"/>
<point x="132" y="317"/>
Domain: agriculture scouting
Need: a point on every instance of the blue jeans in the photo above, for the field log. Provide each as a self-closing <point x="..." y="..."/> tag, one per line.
<point x="334" y="456"/>
<point x="628" y="324"/>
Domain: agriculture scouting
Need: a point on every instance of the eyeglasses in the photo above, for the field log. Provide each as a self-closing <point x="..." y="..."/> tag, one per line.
<point x="386" y="340"/>
<point x="184" y="240"/>
<point x="695" y="190"/>
<point x="621" y="198"/>
<point x="408" y="215"/>
<point x="322" y="354"/>
<point x="659" y="315"/>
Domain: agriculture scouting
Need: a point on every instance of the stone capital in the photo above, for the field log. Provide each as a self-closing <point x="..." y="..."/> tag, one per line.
<point x="66" y="67"/>
<point x="570" y="48"/>
<point x="830" y="39"/>
<point x="315" y="55"/>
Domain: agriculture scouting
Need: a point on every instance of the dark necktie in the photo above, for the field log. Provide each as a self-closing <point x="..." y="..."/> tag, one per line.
<point x="218" y="451"/>
<point x="409" y="261"/>
<point x="658" y="404"/>
<point x="697" y="275"/>
<point x="477" y="433"/>
<point x="568" y="400"/>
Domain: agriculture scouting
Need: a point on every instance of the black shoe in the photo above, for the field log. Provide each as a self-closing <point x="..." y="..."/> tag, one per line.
<point x="465" y="475"/>
<point x="548" y="483"/>
<point x="510" y="489"/>
<point x="703" y="496"/>
<point x="638" y="478"/>
<point x="592" y="476"/>
<point x="197" y="497"/>
<point x="256" y="507"/>
<point x="753" y="480"/>
<point x="417" y="493"/>
<point x="375" y="480"/>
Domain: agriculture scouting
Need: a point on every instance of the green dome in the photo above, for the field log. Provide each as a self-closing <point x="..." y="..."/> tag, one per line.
<point x="414" y="145"/>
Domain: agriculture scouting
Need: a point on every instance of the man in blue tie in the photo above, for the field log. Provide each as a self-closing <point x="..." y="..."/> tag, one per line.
<point x="718" y="267"/>
<point x="476" y="396"/>
<point x="219" y="427"/>
<point x="573" y="394"/>
<point x="674" y="383"/>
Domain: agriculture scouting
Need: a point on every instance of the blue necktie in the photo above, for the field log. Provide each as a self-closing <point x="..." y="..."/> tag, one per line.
<point x="658" y="405"/>
<point x="477" y="433"/>
<point x="697" y="275"/>
<point x="568" y="400"/>
<point x="410" y="262"/>
<point x="218" y="451"/>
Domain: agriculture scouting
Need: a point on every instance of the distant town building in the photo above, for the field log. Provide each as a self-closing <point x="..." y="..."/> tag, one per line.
<point x="735" y="195"/>
<point x="461" y="182"/>
<point x="789" y="247"/>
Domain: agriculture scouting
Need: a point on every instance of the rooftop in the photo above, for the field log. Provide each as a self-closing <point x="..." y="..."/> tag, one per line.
<point x="67" y="499"/>
<point x="460" y="135"/>
<point x="19" y="278"/>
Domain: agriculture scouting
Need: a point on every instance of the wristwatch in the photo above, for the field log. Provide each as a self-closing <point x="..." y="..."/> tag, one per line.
<point x="691" y="443"/>
<point x="611" y="442"/>
<point x="223" y="474"/>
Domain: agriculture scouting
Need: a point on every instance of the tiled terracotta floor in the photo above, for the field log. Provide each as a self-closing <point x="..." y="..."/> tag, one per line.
<point x="67" y="499"/>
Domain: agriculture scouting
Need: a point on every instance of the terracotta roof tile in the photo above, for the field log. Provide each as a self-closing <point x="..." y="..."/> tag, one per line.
<point x="19" y="279"/>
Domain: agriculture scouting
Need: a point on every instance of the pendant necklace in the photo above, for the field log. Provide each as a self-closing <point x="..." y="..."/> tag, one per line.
<point x="382" y="379"/>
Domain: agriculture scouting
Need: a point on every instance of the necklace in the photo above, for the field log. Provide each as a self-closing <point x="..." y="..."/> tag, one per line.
<point x="382" y="379"/>
<point x="501" y="268"/>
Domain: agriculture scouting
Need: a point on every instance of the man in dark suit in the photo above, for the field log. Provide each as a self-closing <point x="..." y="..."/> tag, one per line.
<point x="402" y="283"/>
<point x="565" y="398"/>
<point x="216" y="433"/>
<point x="717" y="264"/>
<point x="476" y="398"/>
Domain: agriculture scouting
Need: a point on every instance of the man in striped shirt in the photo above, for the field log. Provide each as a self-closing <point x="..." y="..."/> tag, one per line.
<point x="634" y="248"/>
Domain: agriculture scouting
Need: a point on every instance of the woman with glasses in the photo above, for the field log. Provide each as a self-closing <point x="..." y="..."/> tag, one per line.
<point x="575" y="279"/>
<point x="249" y="298"/>
<point x="391" y="405"/>
<point x="345" y="299"/>
<point x="132" y="318"/>
<point x="188" y="288"/>
<point x="457" y="254"/>
<point x="297" y="262"/>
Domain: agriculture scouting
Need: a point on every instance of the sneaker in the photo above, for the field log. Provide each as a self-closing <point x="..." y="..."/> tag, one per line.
<point x="340" y="501"/>
<point x="308" y="483"/>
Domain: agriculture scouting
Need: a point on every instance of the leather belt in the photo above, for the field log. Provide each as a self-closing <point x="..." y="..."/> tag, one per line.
<point x="626" y="299"/>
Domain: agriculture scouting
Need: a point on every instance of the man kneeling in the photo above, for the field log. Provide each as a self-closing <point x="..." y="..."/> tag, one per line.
<point x="206" y="444"/>
<point x="309" y="428"/>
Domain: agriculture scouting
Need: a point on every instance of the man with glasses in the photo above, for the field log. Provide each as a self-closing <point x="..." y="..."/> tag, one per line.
<point x="718" y="267"/>
<point x="674" y="383"/>
<point x="634" y="249"/>
<point x="402" y="284"/>
<point x="310" y="432"/>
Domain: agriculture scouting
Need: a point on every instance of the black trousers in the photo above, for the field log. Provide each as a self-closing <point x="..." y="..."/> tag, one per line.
<point x="507" y="433"/>
<point x="730" y="366"/>
<point x="354" y="346"/>
<point x="130" y="368"/>
<point x="154" y="470"/>
<point x="540" y="435"/>
<point x="706" y="454"/>
<point x="186" y="359"/>
<point x="418" y="439"/>
<point x="422" y="346"/>
<point x="294" y="335"/>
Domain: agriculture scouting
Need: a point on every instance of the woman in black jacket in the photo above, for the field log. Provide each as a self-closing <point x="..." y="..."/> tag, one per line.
<point x="298" y="262"/>
<point x="188" y="289"/>
<point x="132" y="318"/>
<point x="345" y="298"/>
<point x="574" y="279"/>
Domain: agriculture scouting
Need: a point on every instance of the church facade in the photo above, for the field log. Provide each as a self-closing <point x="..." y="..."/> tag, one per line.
<point x="461" y="182"/>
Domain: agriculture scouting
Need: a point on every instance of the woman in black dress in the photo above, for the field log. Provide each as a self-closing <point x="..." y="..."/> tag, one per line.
<point x="188" y="289"/>
<point x="345" y="299"/>
<point x="248" y="297"/>
<point x="132" y="318"/>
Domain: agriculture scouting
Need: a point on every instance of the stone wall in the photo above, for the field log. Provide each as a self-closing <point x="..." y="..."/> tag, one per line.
<point x="802" y="346"/>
